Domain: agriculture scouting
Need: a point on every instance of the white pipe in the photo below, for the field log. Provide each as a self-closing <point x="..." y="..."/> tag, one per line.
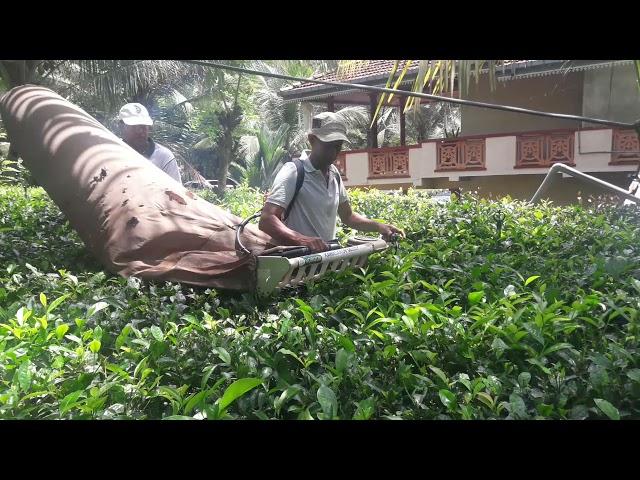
<point x="560" y="167"/>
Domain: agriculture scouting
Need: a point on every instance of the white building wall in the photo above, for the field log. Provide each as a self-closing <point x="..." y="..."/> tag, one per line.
<point x="500" y="159"/>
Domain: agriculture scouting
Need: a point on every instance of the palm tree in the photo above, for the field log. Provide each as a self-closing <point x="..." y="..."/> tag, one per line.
<point x="434" y="76"/>
<point x="357" y="120"/>
<point x="271" y="107"/>
<point x="438" y="77"/>
<point x="224" y="116"/>
<point x="431" y="121"/>
<point x="19" y="72"/>
<point x="114" y="82"/>
<point x="103" y="86"/>
<point x="265" y="155"/>
<point x="110" y="82"/>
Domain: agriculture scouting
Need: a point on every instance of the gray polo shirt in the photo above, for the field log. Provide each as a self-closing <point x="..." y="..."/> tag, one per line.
<point x="162" y="158"/>
<point x="315" y="210"/>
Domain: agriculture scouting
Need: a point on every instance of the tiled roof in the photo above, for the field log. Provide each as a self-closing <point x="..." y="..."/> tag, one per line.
<point x="371" y="68"/>
<point x="366" y="70"/>
<point x="376" y="72"/>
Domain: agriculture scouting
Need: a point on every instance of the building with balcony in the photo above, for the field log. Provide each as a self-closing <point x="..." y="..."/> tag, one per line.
<point x="500" y="153"/>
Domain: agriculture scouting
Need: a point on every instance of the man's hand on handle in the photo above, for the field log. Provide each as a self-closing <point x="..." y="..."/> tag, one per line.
<point x="315" y="244"/>
<point x="388" y="231"/>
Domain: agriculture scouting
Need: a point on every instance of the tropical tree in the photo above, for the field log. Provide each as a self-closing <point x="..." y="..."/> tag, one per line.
<point x="271" y="107"/>
<point x="434" y="76"/>
<point x="225" y="114"/>
<point x="438" y="77"/>
<point x="101" y="87"/>
<point x="265" y="155"/>
<point x="108" y="83"/>
<point x="357" y="120"/>
<point x="431" y="121"/>
<point x="19" y="72"/>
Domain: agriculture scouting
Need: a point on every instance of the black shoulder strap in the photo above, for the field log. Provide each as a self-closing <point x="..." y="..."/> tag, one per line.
<point x="299" y="182"/>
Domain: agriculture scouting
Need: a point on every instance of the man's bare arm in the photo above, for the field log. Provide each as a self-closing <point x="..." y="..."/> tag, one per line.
<point x="271" y="224"/>
<point x="364" y="224"/>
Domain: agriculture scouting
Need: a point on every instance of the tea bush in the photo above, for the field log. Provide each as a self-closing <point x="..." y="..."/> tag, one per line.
<point x="486" y="310"/>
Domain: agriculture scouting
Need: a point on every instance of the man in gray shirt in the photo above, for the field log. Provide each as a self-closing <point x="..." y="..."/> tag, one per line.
<point x="135" y="124"/>
<point x="322" y="197"/>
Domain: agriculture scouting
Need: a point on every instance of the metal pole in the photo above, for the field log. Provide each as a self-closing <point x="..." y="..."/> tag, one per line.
<point x="559" y="167"/>
<point x="427" y="96"/>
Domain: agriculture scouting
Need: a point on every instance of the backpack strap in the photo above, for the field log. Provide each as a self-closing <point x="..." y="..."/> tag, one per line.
<point x="299" y="182"/>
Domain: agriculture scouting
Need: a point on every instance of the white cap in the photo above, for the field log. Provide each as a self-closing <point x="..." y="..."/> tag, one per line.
<point x="135" y="114"/>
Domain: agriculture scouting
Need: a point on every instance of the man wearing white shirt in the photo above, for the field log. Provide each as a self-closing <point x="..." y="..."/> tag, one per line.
<point x="135" y="124"/>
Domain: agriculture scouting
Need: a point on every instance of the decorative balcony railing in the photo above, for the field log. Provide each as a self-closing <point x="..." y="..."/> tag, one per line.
<point x="543" y="150"/>
<point x="464" y="154"/>
<point x="341" y="164"/>
<point x="625" y="146"/>
<point x="389" y="163"/>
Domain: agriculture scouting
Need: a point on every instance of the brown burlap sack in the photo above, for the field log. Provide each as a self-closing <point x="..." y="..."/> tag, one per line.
<point x="133" y="217"/>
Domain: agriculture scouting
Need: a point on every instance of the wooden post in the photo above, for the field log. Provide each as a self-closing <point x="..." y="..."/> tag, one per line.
<point x="373" y="129"/>
<point x="401" y="102"/>
<point x="307" y="114"/>
<point x="330" y="105"/>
